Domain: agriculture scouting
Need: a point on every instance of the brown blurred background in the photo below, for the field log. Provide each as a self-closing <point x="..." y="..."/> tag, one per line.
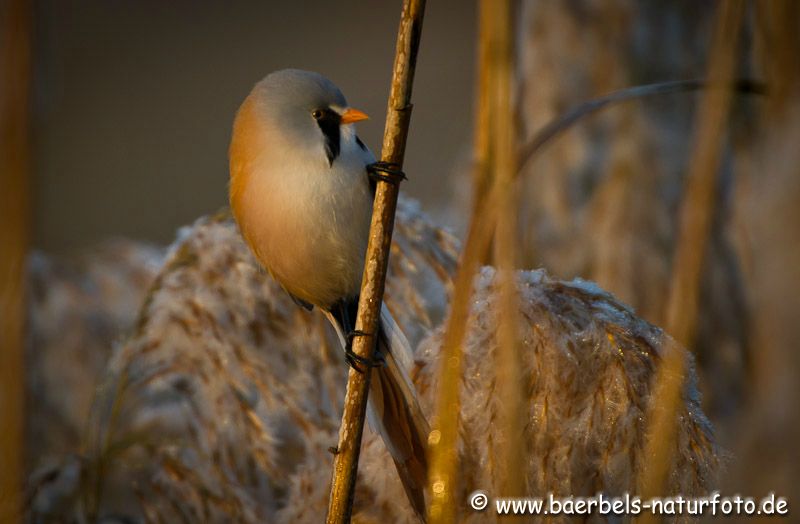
<point x="134" y="101"/>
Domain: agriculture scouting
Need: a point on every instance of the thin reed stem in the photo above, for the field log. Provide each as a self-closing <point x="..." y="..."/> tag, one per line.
<point x="482" y="137"/>
<point x="509" y="364"/>
<point x="443" y="441"/>
<point x="695" y="223"/>
<point x="398" y="116"/>
<point x="442" y="444"/>
<point x="15" y="67"/>
<point x="495" y="171"/>
<point x="699" y="199"/>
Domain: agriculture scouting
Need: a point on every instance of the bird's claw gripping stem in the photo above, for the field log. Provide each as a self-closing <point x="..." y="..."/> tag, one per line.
<point x="353" y="360"/>
<point x="387" y="172"/>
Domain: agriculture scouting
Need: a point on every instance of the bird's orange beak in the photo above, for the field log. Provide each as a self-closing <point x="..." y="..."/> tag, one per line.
<point x="353" y="115"/>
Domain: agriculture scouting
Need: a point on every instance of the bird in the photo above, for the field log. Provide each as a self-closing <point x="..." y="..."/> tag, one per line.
<point x="301" y="189"/>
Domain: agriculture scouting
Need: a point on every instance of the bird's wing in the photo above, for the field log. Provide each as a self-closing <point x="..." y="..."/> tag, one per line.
<point x="368" y="158"/>
<point x="300" y="302"/>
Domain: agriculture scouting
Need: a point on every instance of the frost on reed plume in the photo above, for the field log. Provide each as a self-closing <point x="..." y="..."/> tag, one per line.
<point x="222" y="388"/>
<point x="223" y="401"/>
<point x="77" y="308"/>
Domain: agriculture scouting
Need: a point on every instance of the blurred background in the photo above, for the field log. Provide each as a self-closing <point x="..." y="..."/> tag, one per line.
<point x="134" y="101"/>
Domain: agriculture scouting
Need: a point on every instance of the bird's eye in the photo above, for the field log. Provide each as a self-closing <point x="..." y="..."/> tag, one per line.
<point x="317" y="114"/>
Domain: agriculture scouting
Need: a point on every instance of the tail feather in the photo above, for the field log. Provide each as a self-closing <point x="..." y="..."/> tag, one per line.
<point x="394" y="413"/>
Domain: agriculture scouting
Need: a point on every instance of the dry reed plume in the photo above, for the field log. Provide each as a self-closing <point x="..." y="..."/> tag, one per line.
<point x="224" y="390"/>
<point x="222" y="403"/>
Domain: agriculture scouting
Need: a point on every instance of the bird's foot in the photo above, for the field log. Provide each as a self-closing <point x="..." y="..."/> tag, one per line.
<point x="387" y="172"/>
<point x="353" y="360"/>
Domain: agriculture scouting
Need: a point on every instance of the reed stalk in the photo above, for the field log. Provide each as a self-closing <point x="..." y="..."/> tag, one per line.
<point x="481" y="184"/>
<point x="511" y="481"/>
<point x="15" y="67"/>
<point x="398" y="115"/>
<point x="495" y="165"/>
<point x="697" y="210"/>
<point x="443" y="441"/>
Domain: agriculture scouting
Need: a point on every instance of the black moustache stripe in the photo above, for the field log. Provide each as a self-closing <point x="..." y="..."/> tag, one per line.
<point x="329" y="124"/>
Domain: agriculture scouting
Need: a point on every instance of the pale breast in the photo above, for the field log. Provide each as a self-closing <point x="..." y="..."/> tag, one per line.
<point x="308" y="224"/>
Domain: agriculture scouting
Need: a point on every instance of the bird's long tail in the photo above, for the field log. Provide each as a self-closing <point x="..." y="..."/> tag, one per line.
<point x="393" y="410"/>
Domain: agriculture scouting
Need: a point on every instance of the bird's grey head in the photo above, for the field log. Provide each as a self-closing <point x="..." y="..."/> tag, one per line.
<point x="306" y="108"/>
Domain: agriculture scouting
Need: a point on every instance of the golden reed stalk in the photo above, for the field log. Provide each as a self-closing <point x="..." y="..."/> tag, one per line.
<point x="495" y="172"/>
<point x="15" y="66"/>
<point x="695" y="222"/>
<point x="504" y="169"/>
<point x="398" y="116"/>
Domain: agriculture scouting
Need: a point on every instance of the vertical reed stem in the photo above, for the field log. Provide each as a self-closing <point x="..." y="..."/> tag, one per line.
<point x="15" y="66"/>
<point x="443" y="441"/>
<point x="481" y="182"/>
<point x="509" y="364"/>
<point x="695" y="223"/>
<point x="398" y="116"/>
<point x="496" y="169"/>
